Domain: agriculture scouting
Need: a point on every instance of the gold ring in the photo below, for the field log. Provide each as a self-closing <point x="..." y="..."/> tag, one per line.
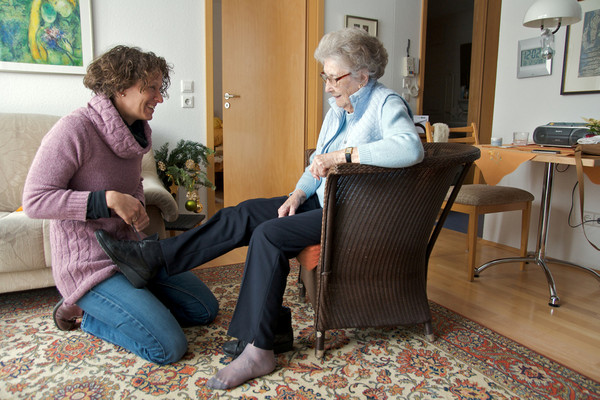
<point x="134" y="219"/>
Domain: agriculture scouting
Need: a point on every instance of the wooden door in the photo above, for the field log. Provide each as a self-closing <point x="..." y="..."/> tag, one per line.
<point x="264" y="49"/>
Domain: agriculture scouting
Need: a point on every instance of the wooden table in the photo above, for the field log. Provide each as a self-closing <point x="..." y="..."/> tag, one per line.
<point x="496" y="162"/>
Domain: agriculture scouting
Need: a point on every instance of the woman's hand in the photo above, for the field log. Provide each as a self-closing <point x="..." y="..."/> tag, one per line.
<point x="323" y="162"/>
<point x="292" y="203"/>
<point x="128" y="208"/>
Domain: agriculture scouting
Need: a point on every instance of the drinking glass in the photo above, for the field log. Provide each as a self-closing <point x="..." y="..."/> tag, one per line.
<point x="520" y="138"/>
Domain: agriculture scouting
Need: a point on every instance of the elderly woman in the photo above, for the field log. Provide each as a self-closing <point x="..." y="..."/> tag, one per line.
<point x="86" y="176"/>
<point x="367" y="123"/>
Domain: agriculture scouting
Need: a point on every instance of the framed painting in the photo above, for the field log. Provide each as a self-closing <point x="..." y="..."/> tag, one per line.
<point x="45" y="36"/>
<point x="581" y="67"/>
<point x="368" y="24"/>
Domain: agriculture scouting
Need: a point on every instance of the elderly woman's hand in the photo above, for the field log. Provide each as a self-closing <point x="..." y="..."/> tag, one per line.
<point x="292" y="203"/>
<point x="128" y="208"/>
<point x="323" y="162"/>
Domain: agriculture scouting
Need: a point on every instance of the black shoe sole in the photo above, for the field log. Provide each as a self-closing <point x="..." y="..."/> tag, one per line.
<point x="133" y="277"/>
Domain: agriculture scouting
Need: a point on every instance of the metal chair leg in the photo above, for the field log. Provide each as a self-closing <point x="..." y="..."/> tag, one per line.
<point x="429" y="332"/>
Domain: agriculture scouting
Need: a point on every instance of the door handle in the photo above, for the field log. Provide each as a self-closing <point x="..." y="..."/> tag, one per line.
<point x="230" y="96"/>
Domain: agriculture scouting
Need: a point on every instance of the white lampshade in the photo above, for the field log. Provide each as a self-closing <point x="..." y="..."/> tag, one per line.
<point x="550" y="13"/>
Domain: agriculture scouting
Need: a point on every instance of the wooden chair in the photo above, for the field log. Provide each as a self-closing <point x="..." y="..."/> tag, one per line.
<point x="479" y="198"/>
<point x="379" y="227"/>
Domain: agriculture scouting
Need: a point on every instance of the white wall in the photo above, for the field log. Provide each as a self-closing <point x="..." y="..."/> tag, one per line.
<point x="398" y="21"/>
<point x="173" y="30"/>
<point x="522" y="105"/>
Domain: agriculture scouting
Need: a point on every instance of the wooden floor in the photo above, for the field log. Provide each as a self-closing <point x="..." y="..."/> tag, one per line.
<point x="514" y="303"/>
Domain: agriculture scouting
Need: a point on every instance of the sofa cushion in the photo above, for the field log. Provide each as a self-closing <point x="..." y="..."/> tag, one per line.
<point x="22" y="243"/>
<point x="20" y="137"/>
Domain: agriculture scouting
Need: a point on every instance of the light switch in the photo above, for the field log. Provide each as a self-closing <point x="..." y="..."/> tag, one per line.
<point x="187" y="86"/>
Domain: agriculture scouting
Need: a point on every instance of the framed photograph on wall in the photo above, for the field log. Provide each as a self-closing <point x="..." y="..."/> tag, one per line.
<point x="581" y="68"/>
<point x="46" y="36"/>
<point x="368" y="24"/>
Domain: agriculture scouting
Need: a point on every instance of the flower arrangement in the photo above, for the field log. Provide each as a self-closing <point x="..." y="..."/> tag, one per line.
<point x="183" y="166"/>
<point x="594" y="126"/>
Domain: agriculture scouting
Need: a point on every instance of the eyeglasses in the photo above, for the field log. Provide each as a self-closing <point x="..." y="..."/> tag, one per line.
<point x="333" y="81"/>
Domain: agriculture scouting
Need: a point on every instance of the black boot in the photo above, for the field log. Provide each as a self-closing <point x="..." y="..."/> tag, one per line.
<point x="139" y="261"/>
<point x="283" y="341"/>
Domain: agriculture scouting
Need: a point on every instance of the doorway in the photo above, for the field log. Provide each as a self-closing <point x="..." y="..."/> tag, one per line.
<point x="448" y="62"/>
<point x="459" y="49"/>
<point x="448" y="104"/>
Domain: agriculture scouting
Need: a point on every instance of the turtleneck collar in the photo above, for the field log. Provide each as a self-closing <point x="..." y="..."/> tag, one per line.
<point x="356" y="99"/>
<point x="115" y="132"/>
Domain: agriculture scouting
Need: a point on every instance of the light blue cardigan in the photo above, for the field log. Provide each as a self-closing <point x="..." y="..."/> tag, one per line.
<point x="381" y="129"/>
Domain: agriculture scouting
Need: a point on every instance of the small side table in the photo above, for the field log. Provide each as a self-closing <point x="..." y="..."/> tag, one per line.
<point x="184" y="222"/>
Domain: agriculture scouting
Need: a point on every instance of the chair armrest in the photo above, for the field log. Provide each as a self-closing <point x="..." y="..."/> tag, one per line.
<point x="158" y="196"/>
<point x="356" y="169"/>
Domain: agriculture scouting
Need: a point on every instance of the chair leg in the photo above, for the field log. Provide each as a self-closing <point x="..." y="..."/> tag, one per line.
<point x="525" y="217"/>
<point x="320" y="344"/>
<point x="472" y="245"/>
<point x="429" y="332"/>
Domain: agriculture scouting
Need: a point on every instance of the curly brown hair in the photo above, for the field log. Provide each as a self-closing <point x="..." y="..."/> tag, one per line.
<point x="122" y="67"/>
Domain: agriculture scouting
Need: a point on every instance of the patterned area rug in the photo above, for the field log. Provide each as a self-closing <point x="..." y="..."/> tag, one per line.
<point x="466" y="361"/>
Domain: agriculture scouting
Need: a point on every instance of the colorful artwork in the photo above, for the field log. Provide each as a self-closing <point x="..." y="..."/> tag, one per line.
<point x="35" y="34"/>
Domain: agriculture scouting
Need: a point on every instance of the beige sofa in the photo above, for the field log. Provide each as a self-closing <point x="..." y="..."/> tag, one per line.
<point x="25" y="259"/>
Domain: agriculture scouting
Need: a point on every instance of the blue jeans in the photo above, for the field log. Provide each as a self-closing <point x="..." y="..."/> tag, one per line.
<point x="148" y="321"/>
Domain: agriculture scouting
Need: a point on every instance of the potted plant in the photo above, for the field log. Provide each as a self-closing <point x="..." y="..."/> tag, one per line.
<point x="594" y="126"/>
<point x="184" y="166"/>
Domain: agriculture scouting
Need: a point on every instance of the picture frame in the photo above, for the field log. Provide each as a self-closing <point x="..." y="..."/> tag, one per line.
<point x="581" y="65"/>
<point x="530" y="62"/>
<point x="368" y="24"/>
<point x="62" y="42"/>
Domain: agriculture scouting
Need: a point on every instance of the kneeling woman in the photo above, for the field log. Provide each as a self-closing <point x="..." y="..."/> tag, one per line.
<point x="86" y="176"/>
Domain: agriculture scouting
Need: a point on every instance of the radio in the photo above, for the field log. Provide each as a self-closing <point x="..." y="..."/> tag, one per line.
<point x="561" y="134"/>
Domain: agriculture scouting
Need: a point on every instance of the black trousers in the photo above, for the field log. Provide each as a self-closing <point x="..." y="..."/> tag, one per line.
<point x="271" y="242"/>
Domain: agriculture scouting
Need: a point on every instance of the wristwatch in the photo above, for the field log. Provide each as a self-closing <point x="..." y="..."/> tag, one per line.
<point x="348" y="154"/>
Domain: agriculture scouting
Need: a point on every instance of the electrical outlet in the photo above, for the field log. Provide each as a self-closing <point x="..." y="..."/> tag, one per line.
<point x="592" y="219"/>
<point x="187" y="101"/>
<point x="597" y="219"/>
<point x="588" y="216"/>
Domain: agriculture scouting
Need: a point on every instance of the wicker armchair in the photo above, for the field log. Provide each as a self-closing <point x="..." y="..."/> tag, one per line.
<point x="379" y="227"/>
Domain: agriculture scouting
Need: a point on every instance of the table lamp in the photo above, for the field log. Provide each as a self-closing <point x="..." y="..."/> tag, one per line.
<point x="547" y="14"/>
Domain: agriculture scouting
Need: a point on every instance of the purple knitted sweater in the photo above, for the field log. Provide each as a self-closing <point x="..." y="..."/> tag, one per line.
<point x="91" y="149"/>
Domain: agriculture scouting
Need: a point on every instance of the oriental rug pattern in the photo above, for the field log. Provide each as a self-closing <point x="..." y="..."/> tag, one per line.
<point x="467" y="361"/>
